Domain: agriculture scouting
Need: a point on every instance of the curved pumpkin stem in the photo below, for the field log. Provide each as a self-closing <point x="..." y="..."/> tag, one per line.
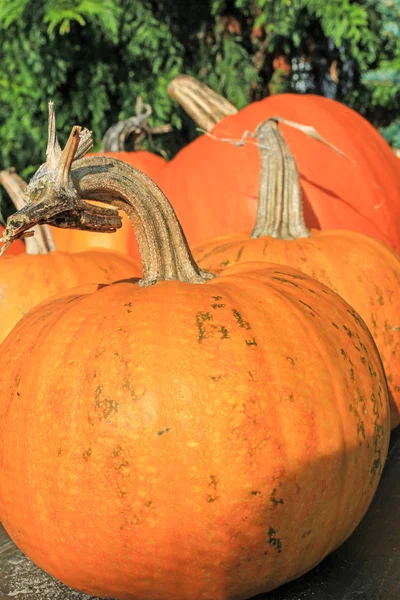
<point x="202" y="104"/>
<point x="42" y="242"/>
<point x="280" y="204"/>
<point x="116" y="137"/>
<point x="56" y="197"/>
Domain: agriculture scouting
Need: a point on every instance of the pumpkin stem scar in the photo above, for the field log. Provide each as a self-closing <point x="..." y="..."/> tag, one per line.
<point x="55" y="197"/>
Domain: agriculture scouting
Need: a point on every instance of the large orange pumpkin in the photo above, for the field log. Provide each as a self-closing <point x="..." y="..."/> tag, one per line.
<point x="214" y="185"/>
<point x="363" y="270"/>
<point x="183" y="436"/>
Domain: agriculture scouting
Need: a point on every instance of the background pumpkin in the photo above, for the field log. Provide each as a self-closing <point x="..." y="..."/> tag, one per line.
<point x="214" y="186"/>
<point x="363" y="270"/>
<point x="173" y="400"/>
<point x="40" y="271"/>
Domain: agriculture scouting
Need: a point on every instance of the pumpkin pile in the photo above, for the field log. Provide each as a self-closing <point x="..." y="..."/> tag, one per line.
<point x="216" y="427"/>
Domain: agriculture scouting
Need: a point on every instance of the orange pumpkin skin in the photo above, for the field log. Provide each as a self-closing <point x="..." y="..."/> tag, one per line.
<point x="123" y="240"/>
<point x="214" y="186"/>
<point x="364" y="271"/>
<point x="183" y="441"/>
<point x="26" y="280"/>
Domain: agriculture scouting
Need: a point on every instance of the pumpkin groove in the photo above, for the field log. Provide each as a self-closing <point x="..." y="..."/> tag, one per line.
<point x="194" y="447"/>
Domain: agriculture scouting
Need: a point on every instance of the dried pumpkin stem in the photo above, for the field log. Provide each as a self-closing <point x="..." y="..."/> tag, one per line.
<point x="162" y="244"/>
<point x="201" y="103"/>
<point x="42" y="242"/>
<point x="57" y="199"/>
<point x="280" y="205"/>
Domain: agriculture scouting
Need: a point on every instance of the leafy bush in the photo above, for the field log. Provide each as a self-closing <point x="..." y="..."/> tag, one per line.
<point x="93" y="58"/>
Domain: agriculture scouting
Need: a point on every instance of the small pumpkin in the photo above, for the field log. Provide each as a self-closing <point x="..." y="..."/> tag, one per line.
<point x="30" y="277"/>
<point x="214" y="186"/>
<point x="237" y="405"/>
<point x="363" y="270"/>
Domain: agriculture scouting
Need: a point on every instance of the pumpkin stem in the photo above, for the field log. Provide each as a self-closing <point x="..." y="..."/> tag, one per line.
<point x="53" y="151"/>
<point x="136" y="127"/>
<point x="280" y="205"/>
<point x="42" y="242"/>
<point x="201" y="103"/>
<point x="55" y="197"/>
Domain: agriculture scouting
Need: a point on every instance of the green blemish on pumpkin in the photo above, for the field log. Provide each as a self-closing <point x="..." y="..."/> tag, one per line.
<point x="334" y="324"/>
<point x="128" y="304"/>
<point x="273" y="540"/>
<point x="343" y="352"/>
<point x="87" y="454"/>
<point x="201" y="318"/>
<point x="224" y="263"/>
<point x="283" y="280"/>
<point x="215" y="305"/>
<point x="122" y="493"/>
<point x="356" y="317"/>
<point x="117" y="451"/>
<point x="256" y="493"/>
<point x="313" y="312"/>
<point x="224" y="332"/>
<point x="361" y="428"/>
<point x="363" y="359"/>
<point x="213" y="484"/>
<point x="371" y="371"/>
<point x="348" y="331"/>
<point x="251" y="342"/>
<point x="164" y="431"/>
<point x="123" y="465"/>
<point x="352" y="376"/>
<point x="275" y="501"/>
<point x="290" y="275"/>
<point x="379" y="294"/>
<point x="127" y="385"/>
<point x="373" y="320"/>
<point x="217" y="297"/>
<point x="240" y="320"/>
<point x="290" y="361"/>
<point x="105" y="407"/>
<point x="216" y="377"/>
<point x="239" y="254"/>
<point x="306" y="533"/>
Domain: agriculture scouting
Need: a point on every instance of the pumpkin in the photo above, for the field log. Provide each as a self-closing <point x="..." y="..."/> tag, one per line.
<point x="184" y="436"/>
<point x="214" y="185"/>
<point x="29" y="278"/>
<point x="363" y="270"/>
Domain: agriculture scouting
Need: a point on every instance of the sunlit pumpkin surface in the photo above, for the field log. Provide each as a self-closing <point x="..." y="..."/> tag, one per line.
<point x="189" y="441"/>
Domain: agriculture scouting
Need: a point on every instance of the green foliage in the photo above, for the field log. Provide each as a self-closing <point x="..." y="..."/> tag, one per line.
<point x="93" y="58"/>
